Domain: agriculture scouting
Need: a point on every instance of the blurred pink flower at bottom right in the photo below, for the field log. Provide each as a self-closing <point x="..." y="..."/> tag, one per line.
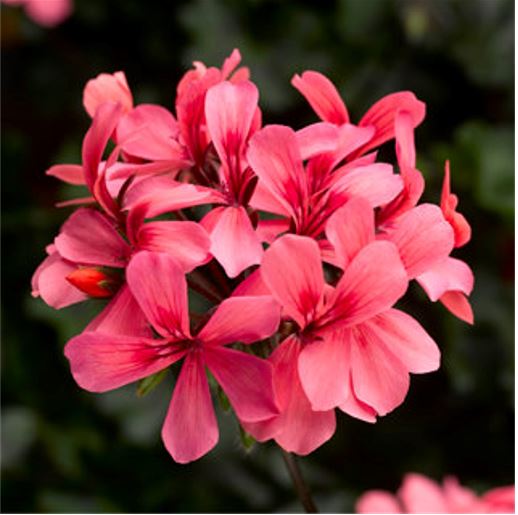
<point x="419" y="494"/>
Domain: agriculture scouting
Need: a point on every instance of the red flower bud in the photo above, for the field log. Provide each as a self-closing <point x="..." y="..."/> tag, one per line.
<point x="94" y="282"/>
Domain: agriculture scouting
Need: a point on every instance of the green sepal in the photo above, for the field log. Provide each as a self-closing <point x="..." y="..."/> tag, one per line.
<point x="247" y="439"/>
<point x="223" y="399"/>
<point x="149" y="383"/>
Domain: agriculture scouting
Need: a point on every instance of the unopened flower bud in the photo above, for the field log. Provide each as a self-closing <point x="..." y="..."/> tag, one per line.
<point x="94" y="282"/>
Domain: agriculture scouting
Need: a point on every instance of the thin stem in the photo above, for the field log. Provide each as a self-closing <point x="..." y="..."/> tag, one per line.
<point x="300" y="485"/>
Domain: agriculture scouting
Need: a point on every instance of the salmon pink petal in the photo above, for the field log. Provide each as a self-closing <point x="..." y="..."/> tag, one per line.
<point x="252" y="285"/>
<point x="423" y="237"/>
<point x="406" y="339"/>
<point x="405" y="147"/>
<point x="246" y="380"/>
<point x="150" y="132"/>
<point x="374" y="280"/>
<point x="380" y="379"/>
<point x="376" y="183"/>
<point x="73" y="174"/>
<point x="322" y="96"/>
<point x="159" y="286"/>
<point x="499" y="500"/>
<point x="356" y="408"/>
<point x="459" y="305"/>
<point x="292" y="270"/>
<point x="324" y="371"/>
<point x="264" y="200"/>
<point x="163" y="194"/>
<point x="242" y="319"/>
<point x="297" y="428"/>
<point x="100" y="362"/>
<point x="49" y="282"/>
<point x="107" y="87"/>
<point x="122" y="315"/>
<point x="378" y="501"/>
<point x="449" y="275"/>
<point x="274" y="156"/>
<point x="270" y="230"/>
<point x="88" y="237"/>
<point x="48" y="14"/>
<point x="187" y="242"/>
<point x="230" y="63"/>
<point x="229" y="110"/>
<point x="351" y="138"/>
<point x="317" y="138"/>
<point x="350" y="228"/>
<point x="190" y="429"/>
<point x="383" y="113"/>
<point x="234" y="242"/>
<point x="422" y="495"/>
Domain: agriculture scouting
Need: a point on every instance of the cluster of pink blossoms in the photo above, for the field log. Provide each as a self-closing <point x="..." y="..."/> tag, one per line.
<point x="419" y="494"/>
<point x="301" y="241"/>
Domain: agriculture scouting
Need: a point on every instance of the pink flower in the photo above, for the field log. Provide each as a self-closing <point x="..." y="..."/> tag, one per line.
<point x="419" y="494"/>
<point x="349" y="349"/>
<point x="47" y="13"/>
<point x="101" y="362"/>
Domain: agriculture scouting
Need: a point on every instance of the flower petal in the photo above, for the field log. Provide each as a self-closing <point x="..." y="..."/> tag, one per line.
<point x="317" y="138"/>
<point x="246" y="380"/>
<point x="379" y="378"/>
<point x="324" y="371"/>
<point x="322" y="96"/>
<point x="350" y="228"/>
<point x="377" y="501"/>
<point x="459" y="305"/>
<point x="292" y="270"/>
<point x="159" y="286"/>
<point x="100" y="362"/>
<point x="420" y="494"/>
<point x="107" y="87"/>
<point x="406" y="339"/>
<point x="371" y="284"/>
<point x="73" y="174"/>
<point x="88" y="237"/>
<point x="190" y="429"/>
<point x="234" y="242"/>
<point x="187" y="242"/>
<point x="242" y="319"/>
<point x="423" y="237"/>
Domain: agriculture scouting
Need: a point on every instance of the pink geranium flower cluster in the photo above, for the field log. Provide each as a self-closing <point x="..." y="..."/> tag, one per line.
<point x="420" y="494"/>
<point x="301" y="241"/>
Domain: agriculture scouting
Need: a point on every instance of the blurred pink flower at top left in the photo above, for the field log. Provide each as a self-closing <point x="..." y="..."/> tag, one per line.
<point x="47" y="13"/>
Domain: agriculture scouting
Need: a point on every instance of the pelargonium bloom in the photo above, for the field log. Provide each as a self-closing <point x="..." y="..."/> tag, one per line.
<point x="102" y="362"/>
<point x="419" y="494"/>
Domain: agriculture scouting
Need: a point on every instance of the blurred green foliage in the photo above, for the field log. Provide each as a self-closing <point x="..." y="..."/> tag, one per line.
<point x="65" y="450"/>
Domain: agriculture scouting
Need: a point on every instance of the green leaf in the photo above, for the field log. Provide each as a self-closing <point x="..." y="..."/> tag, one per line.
<point x="149" y="383"/>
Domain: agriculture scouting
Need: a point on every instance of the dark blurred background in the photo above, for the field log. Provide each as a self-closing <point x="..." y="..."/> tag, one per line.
<point x="66" y="450"/>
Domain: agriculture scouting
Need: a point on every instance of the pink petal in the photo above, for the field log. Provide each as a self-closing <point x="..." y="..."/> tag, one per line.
<point x="371" y="284"/>
<point x="383" y="113"/>
<point x="270" y="230"/>
<point x="292" y="270"/>
<point x="49" y="282"/>
<point x="163" y="194"/>
<point x="252" y="285"/>
<point x="241" y="319"/>
<point x="100" y="362"/>
<point x="379" y="379"/>
<point x="298" y="428"/>
<point x="76" y="202"/>
<point x="190" y="429"/>
<point x="406" y="340"/>
<point x="457" y="303"/>
<point x="405" y="147"/>
<point x="449" y="275"/>
<point x="159" y="286"/>
<point x="73" y="174"/>
<point x="121" y="316"/>
<point x="317" y="138"/>
<point x="125" y="170"/>
<point x="264" y="200"/>
<point x="460" y="499"/>
<point x="107" y="87"/>
<point x="234" y="242"/>
<point x="499" y="500"/>
<point x="421" y="495"/>
<point x="324" y="371"/>
<point x="229" y="110"/>
<point x="322" y="95"/>
<point x="48" y="14"/>
<point x="274" y="155"/>
<point x="423" y="237"/>
<point x="350" y="228"/>
<point x="377" y="501"/>
<point x="246" y="380"/>
<point x="187" y="242"/>
<point x="150" y="132"/>
<point x="356" y="408"/>
<point x="88" y="237"/>
<point x="376" y="183"/>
